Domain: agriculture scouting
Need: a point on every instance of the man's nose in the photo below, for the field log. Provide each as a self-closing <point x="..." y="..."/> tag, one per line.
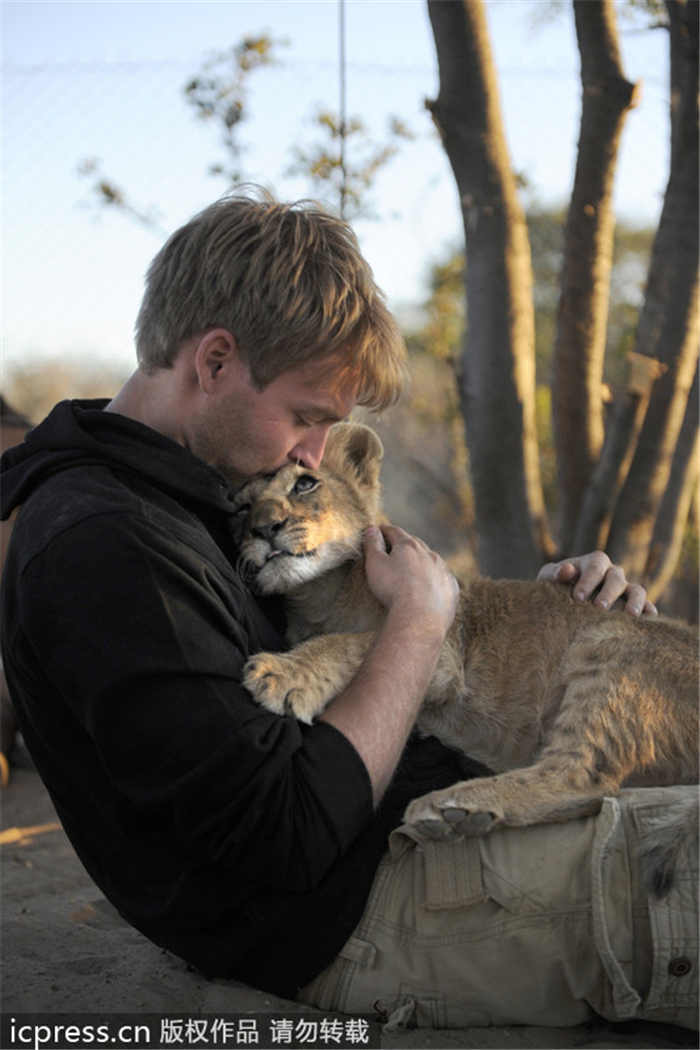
<point x="309" y="451"/>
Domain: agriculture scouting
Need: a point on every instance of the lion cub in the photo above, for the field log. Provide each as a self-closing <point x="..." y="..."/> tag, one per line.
<point x="566" y="703"/>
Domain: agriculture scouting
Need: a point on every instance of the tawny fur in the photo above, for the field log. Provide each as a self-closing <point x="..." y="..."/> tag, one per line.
<point x="564" y="702"/>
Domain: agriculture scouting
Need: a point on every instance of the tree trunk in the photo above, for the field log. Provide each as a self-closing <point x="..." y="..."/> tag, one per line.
<point x="593" y="525"/>
<point x="677" y="502"/>
<point x="579" y="352"/>
<point x="669" y="327"/>
<point x="497" y="381"/>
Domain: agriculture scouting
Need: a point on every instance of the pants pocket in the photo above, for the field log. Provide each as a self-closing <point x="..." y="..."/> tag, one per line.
<point x="453" y="874"/>
<point x="416" y="1006"/>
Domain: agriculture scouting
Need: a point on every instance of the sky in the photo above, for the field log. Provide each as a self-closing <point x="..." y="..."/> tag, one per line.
<point x="105" y="81"/>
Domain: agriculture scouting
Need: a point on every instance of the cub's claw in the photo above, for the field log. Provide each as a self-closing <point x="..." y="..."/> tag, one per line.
<point x="440" y="815"/>
<point x="273" y="680"/>
<point x="265" y="678"/>
<point x="437" y="830"/>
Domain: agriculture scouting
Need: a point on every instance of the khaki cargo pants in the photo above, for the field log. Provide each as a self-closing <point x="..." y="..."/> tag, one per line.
<point x="548" y="925"/>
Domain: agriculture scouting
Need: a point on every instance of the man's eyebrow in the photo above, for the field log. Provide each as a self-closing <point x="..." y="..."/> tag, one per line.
<point x="322" y="414"/>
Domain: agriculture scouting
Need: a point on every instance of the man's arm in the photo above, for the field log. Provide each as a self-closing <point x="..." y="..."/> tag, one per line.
<point x="378" y="709"/>
<point x="592" y="571"/>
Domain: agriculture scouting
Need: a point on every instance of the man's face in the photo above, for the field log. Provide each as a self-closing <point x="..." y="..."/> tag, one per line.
<point x="246" y="431"/>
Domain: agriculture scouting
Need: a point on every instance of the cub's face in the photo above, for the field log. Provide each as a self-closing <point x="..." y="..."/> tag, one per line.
<point x="297" y="524"/>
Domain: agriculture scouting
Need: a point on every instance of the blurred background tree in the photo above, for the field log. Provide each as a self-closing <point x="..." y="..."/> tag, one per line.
<point x="341" y="163"/>
<point x="628" y="485"/>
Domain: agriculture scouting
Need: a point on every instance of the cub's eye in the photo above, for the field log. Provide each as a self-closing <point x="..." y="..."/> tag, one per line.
<point x="305" y="483"/>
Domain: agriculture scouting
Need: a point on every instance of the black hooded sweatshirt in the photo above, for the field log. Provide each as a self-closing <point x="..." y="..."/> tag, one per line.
<point x="244" y="842"/>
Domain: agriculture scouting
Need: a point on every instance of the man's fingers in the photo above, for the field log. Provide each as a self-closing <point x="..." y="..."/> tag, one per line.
<point x="394" y="535"/>
<point x="637" y="603"/>
<point x="594" y="575"/>
<point x="373" y="534"/>
<point x="564" y="572"/>
<point x="614" y="585"/>
<point x="373" y="538"/>
<point x="594" y="568"/>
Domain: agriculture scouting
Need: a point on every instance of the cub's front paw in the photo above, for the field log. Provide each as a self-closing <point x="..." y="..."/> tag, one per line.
<point x="454" y="811"/>
<point x="278" y="684"/>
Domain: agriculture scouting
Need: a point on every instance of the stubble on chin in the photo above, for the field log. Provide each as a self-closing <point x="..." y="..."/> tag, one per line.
<point x="223" y="444"/>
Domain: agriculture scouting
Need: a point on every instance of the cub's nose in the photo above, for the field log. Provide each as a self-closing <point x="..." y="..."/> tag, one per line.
<point x="268" y="531"/>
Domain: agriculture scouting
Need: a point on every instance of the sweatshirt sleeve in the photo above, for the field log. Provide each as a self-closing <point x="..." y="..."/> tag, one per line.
<point x="142" y="641"/>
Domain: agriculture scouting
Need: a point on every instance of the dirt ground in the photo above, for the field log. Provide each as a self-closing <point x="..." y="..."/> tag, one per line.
<point x="66" y="951"/>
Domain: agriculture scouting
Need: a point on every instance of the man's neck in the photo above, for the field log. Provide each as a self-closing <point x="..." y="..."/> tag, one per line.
<point x="152" y="399"/>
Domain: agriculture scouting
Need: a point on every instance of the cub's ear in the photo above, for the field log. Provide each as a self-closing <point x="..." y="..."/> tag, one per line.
<point x="356" y="446"/>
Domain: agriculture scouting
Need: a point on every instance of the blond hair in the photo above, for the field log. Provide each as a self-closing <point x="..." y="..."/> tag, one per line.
<point x="288" y="281"/>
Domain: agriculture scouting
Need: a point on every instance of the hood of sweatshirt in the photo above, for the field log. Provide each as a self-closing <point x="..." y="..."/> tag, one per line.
<point x="80" y="433"/>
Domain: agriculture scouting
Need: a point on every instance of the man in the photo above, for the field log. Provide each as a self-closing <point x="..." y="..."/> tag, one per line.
<point x="244" y="842"/>
<point x="13" y="427"/>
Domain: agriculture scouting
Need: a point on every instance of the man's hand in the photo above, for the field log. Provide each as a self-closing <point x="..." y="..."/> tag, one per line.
<point x="377" y="710"/>
<point x="592" y="571"/>
<point x="405" y="575"/>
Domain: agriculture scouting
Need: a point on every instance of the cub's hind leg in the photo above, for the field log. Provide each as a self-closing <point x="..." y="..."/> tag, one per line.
<point x="591" y="748"/>
<point x="547" y="792"/>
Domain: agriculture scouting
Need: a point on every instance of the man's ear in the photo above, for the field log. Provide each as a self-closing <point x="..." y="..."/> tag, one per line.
<point x="215" y="355"/>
